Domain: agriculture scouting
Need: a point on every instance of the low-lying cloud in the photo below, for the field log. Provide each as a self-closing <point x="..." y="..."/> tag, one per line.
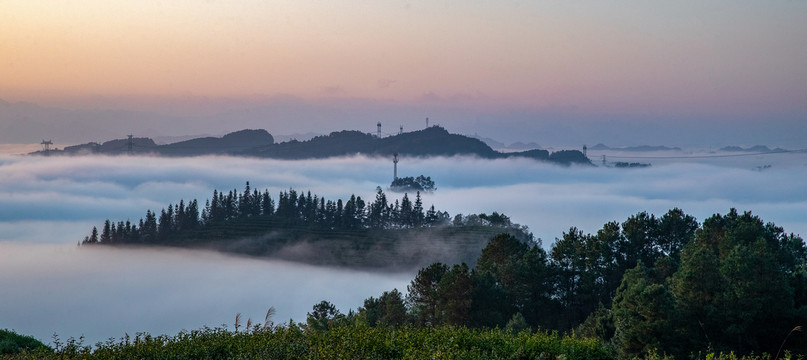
<point x="108" y="292"/>
<point x="48" y="204"/>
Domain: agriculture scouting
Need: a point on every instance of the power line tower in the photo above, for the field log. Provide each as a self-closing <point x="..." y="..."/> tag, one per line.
<point x="46" y="146"/>
<point x="130" y="144"/>
<point x="395" y="166"/>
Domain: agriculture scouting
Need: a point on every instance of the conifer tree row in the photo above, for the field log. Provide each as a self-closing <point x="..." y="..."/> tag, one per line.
<point x="257" y="211"/>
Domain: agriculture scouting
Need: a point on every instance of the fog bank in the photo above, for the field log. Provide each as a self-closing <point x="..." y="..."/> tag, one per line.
<point x="48" y="204"/>
<point x="105" y="292"/>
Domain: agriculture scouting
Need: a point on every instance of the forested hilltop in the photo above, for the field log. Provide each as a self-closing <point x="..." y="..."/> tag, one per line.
<point x="299" y="226"/>
<point x="432" y="141"/>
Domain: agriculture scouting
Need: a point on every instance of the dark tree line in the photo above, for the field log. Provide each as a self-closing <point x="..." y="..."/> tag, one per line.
<point x="666" y="283"/>
<point x="408" y="183"/>
<point x="253" y="211"/>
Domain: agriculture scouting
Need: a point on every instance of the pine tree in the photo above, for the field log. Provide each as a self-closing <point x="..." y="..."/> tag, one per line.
<point x="417" y="211"/>
<point x="93" y="239"/>
<point x="106" y="234"/>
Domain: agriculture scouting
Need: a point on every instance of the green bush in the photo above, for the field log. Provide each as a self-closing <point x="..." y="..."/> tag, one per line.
<point x="13" y="343"/>
<point x="341" y="342"/>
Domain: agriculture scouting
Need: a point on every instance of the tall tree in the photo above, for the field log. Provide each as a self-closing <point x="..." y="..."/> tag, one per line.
<point x="423" y="294"/>
<point x="393" y="310"/>
<point x="675" y="229"/>
<point x="322" y="316"/>
<point x="733" y="285"/>
<point x="454" y="296"/>
<point x="106" y="233"/>
<point x="643" y="313"/>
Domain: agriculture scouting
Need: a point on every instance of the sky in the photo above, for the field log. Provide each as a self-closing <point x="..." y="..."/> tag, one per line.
<point x="511" y="69"/>
<point x="48" y="204"/>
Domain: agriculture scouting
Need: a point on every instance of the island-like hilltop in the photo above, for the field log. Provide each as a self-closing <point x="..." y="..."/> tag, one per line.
<point x="431" y="141"/>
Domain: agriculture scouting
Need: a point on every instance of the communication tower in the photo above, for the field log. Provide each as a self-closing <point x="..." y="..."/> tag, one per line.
<point x="427" y="122"/>
<point x="401" y="131"/>
<point x="584" y="150"/>
<point x="130" y="144"/>
<point x="379" y="129"/>
<point x="46" y="146"/>
<point x="395" y="166"/>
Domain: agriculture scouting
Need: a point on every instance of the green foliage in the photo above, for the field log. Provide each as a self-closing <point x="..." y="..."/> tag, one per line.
<point x="734" y="290"/>
<point x="454" y="296"/>
<point x="522" y="281"/>
<point x="517" y="323"/>
<point x="733" y="286"/>
<point x="13" y="343"/>
<point x="642" y="314"/>
<point x="343" y="342"/>
<point x="408" y="183"/>
<point x="323" y="316"/>
<point x="388" y="310"/>
<point x="423" y="294"/>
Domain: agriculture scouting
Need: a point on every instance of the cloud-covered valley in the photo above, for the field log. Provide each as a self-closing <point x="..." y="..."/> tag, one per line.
<point x="48" y="204"/>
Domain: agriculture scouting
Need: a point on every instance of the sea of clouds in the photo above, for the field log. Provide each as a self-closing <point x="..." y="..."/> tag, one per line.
<point x="48" y="204"/>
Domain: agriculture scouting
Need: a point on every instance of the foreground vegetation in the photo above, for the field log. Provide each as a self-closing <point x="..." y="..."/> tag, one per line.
<point x="349" y="341"/>
<point x="353" y="341"/>
<point x="13" y="343"/>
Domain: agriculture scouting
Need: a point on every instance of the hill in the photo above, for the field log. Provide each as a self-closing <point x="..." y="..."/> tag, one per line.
<point x="383" y="234"/>
<point x="752" y="149"/>
<point x="432" y="141"/>
<point x="641" y="148"/>
<point x="231" y="143"/>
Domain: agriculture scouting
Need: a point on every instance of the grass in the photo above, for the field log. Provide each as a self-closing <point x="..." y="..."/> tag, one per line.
<point x="343" y="342"/>
<point x="353" y="341"/>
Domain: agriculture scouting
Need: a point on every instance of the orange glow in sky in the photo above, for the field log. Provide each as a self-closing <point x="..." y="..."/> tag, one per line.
<point x="707" y="56"/>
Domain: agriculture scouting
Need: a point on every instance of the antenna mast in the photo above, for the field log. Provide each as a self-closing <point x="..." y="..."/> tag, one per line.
<point x="395" y="166"/>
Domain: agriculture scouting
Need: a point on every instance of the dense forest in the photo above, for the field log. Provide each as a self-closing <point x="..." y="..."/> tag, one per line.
<point x="666" y="284"/>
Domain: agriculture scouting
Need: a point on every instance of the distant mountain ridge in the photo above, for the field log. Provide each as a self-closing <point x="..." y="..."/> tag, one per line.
<point x="498" y="145"/>
<point x="432" y="141"/>
<point x="640" y="148"/>
<point x="755" y="149"/>
<point x="232" y="143"/>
